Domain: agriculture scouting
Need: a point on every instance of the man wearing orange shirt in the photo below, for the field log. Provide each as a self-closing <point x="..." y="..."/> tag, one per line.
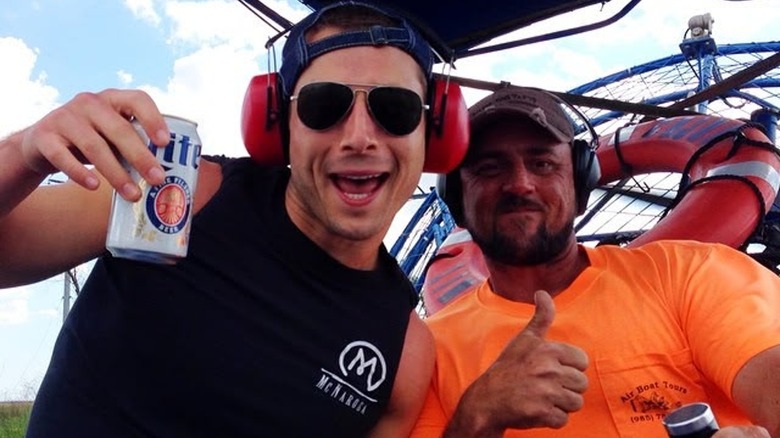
<point x="567" y="340"/>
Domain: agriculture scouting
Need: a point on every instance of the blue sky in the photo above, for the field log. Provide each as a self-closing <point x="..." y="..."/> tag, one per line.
<point x="196" y="57"/>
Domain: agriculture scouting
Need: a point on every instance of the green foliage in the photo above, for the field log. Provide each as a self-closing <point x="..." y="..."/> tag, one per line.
<point x="13" y="419"/>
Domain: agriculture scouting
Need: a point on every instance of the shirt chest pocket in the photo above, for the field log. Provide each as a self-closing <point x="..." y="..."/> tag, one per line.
<point x="641" y="390"/>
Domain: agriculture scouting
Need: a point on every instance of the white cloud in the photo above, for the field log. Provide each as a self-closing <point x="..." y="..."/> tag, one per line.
<point x="49" y="313"/>
<point x="30" y="96"/>
<point x="144" y="9"/>
<point x="208" y="87"/>
<point x="14" y="307"/>
<point x="124" y="77"/>
<point x="213" y="22"/>
<point x="654" y="29"/>
<point x="734" y="21"/>
<point x="222" y="55"/>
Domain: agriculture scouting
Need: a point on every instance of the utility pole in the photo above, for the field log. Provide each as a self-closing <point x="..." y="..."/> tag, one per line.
<point x="70" y="279"/>
<point x="66" y="296"/>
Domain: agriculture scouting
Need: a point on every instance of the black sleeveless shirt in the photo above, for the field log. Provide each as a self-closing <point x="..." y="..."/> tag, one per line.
<point x="257" y="333"/>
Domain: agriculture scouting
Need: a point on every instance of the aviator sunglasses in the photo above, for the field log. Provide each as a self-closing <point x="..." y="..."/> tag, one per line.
<point x="321" y="105"/>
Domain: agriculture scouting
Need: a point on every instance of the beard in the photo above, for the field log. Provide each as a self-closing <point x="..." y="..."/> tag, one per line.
<point x="540" y="247"/>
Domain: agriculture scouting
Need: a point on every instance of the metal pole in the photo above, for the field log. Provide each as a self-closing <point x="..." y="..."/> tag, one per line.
<point x="768" y="119"/>
<point x="66" y="296"/>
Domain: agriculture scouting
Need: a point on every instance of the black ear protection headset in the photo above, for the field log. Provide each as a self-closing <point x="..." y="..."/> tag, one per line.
<point x="585" y="165"/>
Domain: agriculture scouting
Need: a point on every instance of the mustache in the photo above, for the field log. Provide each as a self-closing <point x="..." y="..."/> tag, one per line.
<point x="511" y="202"/>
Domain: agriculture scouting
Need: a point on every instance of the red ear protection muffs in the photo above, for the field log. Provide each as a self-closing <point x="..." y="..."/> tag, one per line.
<point x="448" y="128"/>
<point x="261" y="115"/>
<point x="263" y="124"/>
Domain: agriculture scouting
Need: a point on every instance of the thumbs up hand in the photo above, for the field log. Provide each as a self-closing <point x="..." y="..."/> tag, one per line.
<point x="533" y="383"/>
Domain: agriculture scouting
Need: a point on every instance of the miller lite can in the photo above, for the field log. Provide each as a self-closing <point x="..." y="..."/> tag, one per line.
<point x="156" y="228"/>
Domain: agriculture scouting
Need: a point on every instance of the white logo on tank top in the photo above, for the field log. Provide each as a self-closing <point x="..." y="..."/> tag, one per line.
<point x="362" y="369"/>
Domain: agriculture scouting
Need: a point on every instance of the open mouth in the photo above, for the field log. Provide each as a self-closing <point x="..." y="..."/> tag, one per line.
<point x="358" y="187"/>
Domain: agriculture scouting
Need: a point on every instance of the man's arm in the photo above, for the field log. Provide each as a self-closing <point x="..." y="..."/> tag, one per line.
<point x="46" y="230"/>
<point x="756" y="389"/>
<point x="17" y="181"/>
<point x="432" y="420"/>
<point x="54" y="229"/>
<point x="411" y="382"/>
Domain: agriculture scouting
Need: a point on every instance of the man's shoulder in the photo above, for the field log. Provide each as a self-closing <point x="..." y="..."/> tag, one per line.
<point x="230" y="166"/>
<point x="217" y="173"/>
<point x="224" y="160"/>
<point x="670" y="245"/>
<point x="664" y="254"/>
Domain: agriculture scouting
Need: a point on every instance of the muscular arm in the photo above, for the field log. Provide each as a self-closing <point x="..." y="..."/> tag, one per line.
<point x="52" y="230"/>
<point x="43" y="231"/>
<point x="411" y="383"/>
<point x="59" y="227"/>
<point x="17" y="181"/>
<point x="757" y="389"/>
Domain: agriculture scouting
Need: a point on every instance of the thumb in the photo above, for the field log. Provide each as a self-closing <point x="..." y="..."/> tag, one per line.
<point x="543" y="316"/>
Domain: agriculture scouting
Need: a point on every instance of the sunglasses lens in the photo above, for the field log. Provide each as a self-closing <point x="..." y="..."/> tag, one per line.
<point x="322" y="104"/>
<point x="397" y="110"/>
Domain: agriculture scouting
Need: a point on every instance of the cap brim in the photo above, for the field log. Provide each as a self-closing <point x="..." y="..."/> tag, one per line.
<point x="485" y="117"/>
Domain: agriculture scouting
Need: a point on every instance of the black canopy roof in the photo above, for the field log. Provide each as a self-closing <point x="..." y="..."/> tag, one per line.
<point x="455" y="28"/>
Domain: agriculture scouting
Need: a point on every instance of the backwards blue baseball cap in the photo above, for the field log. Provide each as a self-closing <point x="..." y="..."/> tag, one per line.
<point x="297" y="54"/>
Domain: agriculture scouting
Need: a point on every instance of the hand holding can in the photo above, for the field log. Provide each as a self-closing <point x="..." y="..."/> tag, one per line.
<point x="86" y="139"/>
<point x="156" y="227"/>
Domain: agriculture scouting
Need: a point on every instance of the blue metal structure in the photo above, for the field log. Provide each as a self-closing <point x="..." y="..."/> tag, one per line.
<point x="423" y="235"/>
<point x="683" y="83"/>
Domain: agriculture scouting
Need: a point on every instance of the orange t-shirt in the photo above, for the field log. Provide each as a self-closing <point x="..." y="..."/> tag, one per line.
<point x="663" y="325"/>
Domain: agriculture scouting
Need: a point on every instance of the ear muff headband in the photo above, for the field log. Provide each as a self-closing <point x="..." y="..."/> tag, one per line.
<point x="448" y="127"/>
<point x="449" y="187"/>
<point x="587" y="170"/>
<point x="261" y="119"/>
<point x="264" y="124"/>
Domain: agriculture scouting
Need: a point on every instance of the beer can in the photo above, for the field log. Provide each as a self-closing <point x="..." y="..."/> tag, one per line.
<point x="156" y="228"/>
<point x="695" y="420"/>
